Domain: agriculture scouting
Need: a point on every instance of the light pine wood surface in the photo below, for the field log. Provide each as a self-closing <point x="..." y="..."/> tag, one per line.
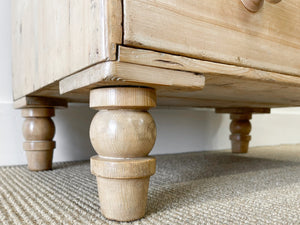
<point x="218" y="30"/>
<point x="225" y="85"/>
<point x="119" y="73"/>
<point x="252" y="42"/>
<point x="55" y="38"/>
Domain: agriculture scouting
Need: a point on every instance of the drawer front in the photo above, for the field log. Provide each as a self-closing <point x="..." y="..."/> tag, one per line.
<point x="218" y="30"/>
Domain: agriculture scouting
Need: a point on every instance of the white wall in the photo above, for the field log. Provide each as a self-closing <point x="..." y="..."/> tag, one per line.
<point x="179" y="130"/>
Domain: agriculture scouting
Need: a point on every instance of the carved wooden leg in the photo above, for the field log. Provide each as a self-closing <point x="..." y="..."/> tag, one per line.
<point x="38" y="131"/>
<point x="123" y="133"/>
<point x="240" y="126"/>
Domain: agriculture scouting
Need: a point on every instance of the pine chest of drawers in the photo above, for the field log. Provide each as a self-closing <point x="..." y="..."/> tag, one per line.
<point x="127" y="56"/>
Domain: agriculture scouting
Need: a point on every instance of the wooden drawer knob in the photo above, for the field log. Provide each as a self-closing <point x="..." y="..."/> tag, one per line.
<point x="255" y="5"/>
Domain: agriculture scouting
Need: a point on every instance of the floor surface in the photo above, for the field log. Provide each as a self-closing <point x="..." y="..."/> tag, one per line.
<point x="216" y="187"/>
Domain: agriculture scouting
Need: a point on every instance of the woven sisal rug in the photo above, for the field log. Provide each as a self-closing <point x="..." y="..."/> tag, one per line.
<point x="262" y="187"/>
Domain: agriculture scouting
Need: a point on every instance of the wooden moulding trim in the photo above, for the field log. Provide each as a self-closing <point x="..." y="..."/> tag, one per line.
<point x="130" y="168"/>
<point x="123" y="98"/>
<point x="242" y="110"/>
<point x="38" y="145"/>
<point x="116" y="73"/>
<point x="39" y="102"/>
<point x="241" y="116"/>
<point x="38" y="112"/>
<point x="184" y="63"/>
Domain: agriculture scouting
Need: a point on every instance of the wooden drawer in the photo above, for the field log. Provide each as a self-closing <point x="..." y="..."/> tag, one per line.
<point x="218" y="30"/>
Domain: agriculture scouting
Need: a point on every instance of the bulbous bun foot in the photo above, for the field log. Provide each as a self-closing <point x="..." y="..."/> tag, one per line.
<point x="38" y="130"/>
<point x="123" y="133"/>
<point x="240" y="126"/>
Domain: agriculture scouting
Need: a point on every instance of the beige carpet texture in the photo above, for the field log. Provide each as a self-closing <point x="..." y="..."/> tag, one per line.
<point x="214" y="187"/>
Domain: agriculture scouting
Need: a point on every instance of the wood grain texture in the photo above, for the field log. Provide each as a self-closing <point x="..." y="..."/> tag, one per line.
<point x="123" y="134"/>
<point x="119" y="73"/>
<point x="199" y="100"/>
<point x="173" y="76"/>
<point x="52" y="39"/>
<point x="225" y="85"/>
<point x="218" y="30"/>
<point x="207" y="68"/>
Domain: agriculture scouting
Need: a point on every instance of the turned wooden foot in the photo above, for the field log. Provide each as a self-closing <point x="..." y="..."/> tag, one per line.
<point x="123" y="133"/>
<point x="240" y="126"/>
<point x="38" y="131"/>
